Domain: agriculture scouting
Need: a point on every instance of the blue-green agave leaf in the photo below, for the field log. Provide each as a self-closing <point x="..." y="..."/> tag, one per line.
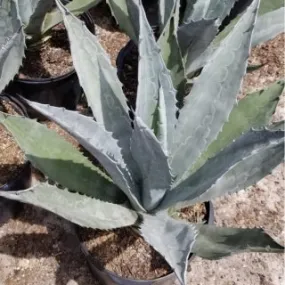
<point x="155" y="85"/>
<point x="100" y="83"/>
<point x="253" y="111"/>
<point x="97" y="77"/>
<point x="99" y="142"/>
<point x="214" y="94"/>
<point x="241" y="164"/>
<point x="126" y="14"/>
<point x="156" y="177"/>
<point x="208" y="10"/>
<point x="178" y="239"/>
<point x="216" y="242"/>
<point x="12" y="41"/>
<point x="28" y="8"/>
<point x="195" y="37"/>
<point x="170" y="50"/>
<point x="60" y="160"/>
<point x="79" y="209"/>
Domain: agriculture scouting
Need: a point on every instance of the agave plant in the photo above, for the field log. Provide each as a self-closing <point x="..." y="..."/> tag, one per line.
<point x="28" y="21"/>
<point x="191" y="30"/>
<point x="157" y="156"/>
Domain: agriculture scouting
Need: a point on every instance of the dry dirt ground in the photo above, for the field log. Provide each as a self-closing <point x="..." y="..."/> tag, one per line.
<point x="35" y="248"/>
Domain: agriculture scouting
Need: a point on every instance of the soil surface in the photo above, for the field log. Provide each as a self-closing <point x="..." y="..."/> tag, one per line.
<point x="125" y="253"/>
<point x="11" y="156"/>
<point x="50" y="58"/>
<point x="35" y="248"/>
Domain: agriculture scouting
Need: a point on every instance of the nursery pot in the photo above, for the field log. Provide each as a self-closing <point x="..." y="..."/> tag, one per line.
<point x="20" y="181"/>
<point x="60" y="91"/>
<point x="106" y="277"/>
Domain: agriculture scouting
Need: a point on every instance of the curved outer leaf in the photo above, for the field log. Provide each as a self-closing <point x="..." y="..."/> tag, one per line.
<point x="178" y="240"/>
<point x="156" y="177"/>
<point x="77" y="7"/>
<point x="213" y="96"/>
<point x="12" y="41"/>
<point x="170" y="51"/>
<point x="154" y="82"/>
<point x="253" y="111"/>
<point x="216" y="242"/>
<point x="59" y="159"/>
<point x="95" y="72"/>
<point x="244" y="162"/>
<point x="98" y="142"/>
<point x="79" y="209"/>
<point x="268" y="26"/>
<point x="100" y="83"/>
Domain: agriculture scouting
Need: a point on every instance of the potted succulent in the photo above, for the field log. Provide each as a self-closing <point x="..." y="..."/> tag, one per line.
<point x="34" y="45"/>
<point x="157" y="158"/>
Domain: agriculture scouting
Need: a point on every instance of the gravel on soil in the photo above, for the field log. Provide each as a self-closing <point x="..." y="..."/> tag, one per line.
<point x="50" y="58"/>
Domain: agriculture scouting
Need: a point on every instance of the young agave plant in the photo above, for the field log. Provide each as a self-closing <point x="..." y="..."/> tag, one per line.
<point x="22" y="20"/>
<point x="158" y="156"/>
<point x="190" y="30"/>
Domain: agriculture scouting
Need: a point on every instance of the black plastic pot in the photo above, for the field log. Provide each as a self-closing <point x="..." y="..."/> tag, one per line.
<point x="60" y="91"/>
<point x="106" y="277"/>
<point x="23" y="179"/>
<point x="123" y="53"/>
